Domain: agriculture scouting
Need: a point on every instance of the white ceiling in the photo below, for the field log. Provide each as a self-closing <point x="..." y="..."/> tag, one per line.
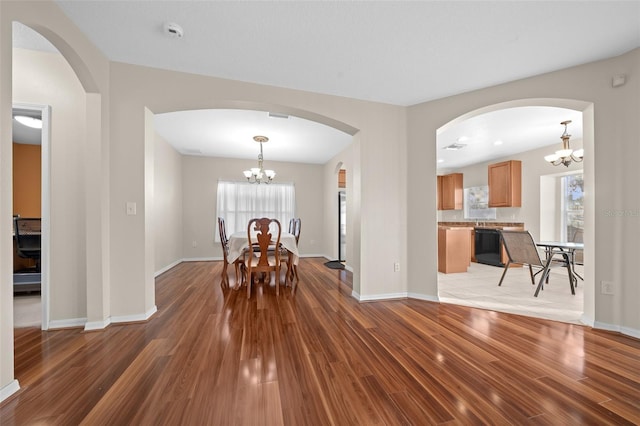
<point x="395" y="52"/>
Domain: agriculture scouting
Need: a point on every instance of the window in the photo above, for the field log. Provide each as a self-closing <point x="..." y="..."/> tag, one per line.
<point x="239" y="202"/>
<point x="572" y="207"/>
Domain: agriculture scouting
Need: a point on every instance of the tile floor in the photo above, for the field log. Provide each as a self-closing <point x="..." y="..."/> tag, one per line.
<point x="478" y="287"/>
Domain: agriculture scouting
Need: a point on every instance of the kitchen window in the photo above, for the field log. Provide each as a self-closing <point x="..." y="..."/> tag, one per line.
<point x="572" y="207"/>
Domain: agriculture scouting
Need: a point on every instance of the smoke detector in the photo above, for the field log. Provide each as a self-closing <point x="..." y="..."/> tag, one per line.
<point x="173" y="30"/>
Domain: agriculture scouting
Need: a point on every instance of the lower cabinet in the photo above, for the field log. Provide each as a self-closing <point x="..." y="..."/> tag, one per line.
<point x="454" y="249"/>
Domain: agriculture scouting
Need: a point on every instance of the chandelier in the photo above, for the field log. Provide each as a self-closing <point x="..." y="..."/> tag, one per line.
<point x="259" y="174"/>
<point x="566" y="155"/>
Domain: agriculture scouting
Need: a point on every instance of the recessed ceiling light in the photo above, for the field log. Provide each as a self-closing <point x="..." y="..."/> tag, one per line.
<point x="463" y="138"/>
<point x="498" y="142"/>
<point x="33" y="122"/>
<point x="440" y="160"/>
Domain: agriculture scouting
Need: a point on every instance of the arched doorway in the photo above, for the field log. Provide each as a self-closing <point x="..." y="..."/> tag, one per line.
<point x="530" y="213"/>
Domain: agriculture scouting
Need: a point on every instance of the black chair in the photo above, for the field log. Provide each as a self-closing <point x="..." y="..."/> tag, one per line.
<point x="28" y="232"/>
<point x="521" y="248"/>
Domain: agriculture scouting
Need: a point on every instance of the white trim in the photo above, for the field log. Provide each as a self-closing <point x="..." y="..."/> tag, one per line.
<point x="67" y="323"/>
<point x="424" y="297"/>
<point x="201" y="259"/>
<point x="587" y="320"/>
<point x="45" y="205"/>
<point x="9" y="390"/>
<point x="386" y="296"/>
<point x="169" y="266"/>
<point x="632" y="332"/>
<point x="97" y="325"/>
<point x="136" y="317"/>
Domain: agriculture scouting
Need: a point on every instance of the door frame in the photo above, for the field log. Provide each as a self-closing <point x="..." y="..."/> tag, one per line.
<point x="45" y="209"/>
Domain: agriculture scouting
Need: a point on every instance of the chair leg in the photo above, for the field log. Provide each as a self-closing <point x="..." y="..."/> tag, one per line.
<point x="224" y="283"/>
<point x="506" y="268"/>
<point x="531" y="273"/>
<point x="572" y="279"/>
<point x="544" y="276"/>
<point x="249" y="282"/>
<point x="277" y="278"/>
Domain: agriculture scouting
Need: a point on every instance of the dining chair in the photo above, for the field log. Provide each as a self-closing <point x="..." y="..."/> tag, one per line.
<point x="238" y="263"/>
<point x="295" y="225"/>
<point x="260" y="258"/>
<point x="521" y="248"/>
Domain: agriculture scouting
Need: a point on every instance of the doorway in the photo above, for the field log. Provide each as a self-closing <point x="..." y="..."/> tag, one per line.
<point x="31" y="200"/>
<point x="342" y="226"/>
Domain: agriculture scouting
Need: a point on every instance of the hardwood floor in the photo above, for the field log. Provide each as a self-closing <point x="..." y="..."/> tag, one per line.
<point x="212" y="357"/>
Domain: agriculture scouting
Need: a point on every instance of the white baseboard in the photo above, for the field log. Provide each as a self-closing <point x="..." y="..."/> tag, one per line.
<point x="628" y="331"/>
<point x="166" y="268"/>
<point x="136" y="317"/>
<point x="9" y="390"/>
<point x="425" y="297"/>
<point x="67" y="323"/>
<point x="386" y="296"/>
<point x="97" y="325"/>
<point x="201" y="259"/>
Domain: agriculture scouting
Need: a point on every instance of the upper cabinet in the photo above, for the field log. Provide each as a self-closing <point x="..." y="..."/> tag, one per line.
<point x="505" y="184"/>
<point x="450" y="192"/>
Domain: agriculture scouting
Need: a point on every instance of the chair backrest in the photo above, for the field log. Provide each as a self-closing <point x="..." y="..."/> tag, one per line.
<point x="292" y="225"/>
<point x="224" y="241"/>
<point x="28" y="233"/>
<point x="260" y="238"/>
<point x="296" y="229"/>
<point x="520" y="247"/>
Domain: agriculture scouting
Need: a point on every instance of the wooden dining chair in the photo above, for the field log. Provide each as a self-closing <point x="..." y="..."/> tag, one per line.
<point x="260" y="258"/>
<point x="238" y="263"/>
<point x="292" y="269"/>
<point x="521" y="248"/>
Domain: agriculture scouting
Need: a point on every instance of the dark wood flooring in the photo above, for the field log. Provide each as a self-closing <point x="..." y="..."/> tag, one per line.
<point x="212" y="357"/>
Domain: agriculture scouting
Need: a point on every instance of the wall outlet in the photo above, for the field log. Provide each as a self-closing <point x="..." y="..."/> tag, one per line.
<point x="396" y="267"/>
<point x="606" y="287"/>
<point x="131" y="208"/>
<point x="194" y="243"/>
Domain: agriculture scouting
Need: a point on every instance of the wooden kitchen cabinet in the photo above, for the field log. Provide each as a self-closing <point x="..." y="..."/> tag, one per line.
<point x="453" y="249"/>
<point x="450" y="192"/>
<point x="505" y="184"/>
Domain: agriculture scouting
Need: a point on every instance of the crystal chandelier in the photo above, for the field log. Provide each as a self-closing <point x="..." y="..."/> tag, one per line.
<point x="259" y="174"/>
<point x="566" y="155"/>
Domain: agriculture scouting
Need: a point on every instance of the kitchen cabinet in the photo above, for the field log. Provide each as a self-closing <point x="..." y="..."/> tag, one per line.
<point x="453" y="249"/>
<point x="450" y="192"/>
<point x="505" y="184"/>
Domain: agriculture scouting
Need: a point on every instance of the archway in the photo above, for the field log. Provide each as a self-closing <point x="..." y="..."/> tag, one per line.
<point x="585" y="110"/>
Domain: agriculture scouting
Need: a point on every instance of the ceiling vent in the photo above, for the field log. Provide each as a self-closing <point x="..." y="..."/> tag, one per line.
<point x="455" y="146"/>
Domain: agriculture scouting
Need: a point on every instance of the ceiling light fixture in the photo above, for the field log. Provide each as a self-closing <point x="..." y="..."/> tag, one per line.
<point x="33" y="122"/>
<point x="259" y="174"/>
<point x="565" y="155"/>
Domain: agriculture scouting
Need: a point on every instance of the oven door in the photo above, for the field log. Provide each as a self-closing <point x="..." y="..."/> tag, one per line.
<point x="487" y="245"/>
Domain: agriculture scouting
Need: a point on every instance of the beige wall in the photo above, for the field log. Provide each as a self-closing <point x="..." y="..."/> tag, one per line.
<point x="167" y="205"/>
<point x="47" y="79"/>
<point x="610" y="129"/>
<point x="393" y="158"/>
<point x="200" y="177"/>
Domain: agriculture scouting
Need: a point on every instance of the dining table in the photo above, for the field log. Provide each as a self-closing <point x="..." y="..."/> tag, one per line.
<point x="567" y="247"/>
<point x="239" y="242"/>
